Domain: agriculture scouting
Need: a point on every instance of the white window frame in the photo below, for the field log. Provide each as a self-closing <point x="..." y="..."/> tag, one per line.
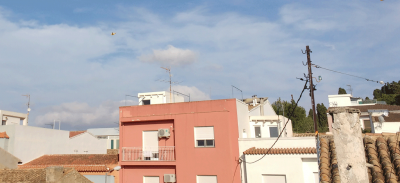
<point x="263" y="175"/>
<point x="144" y="177"/>
<point x="205" y="139"/>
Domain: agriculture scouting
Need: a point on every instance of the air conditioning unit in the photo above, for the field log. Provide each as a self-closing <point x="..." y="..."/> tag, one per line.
<point x="163" y="133"/>
<point x="169" y="178"/>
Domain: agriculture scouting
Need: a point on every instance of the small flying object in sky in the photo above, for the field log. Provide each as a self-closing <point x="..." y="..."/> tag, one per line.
<point x="113" y="33"/>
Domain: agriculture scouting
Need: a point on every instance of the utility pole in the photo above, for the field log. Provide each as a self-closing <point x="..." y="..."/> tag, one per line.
<point x="310" y="78"/>
<point x="170" y="81"/>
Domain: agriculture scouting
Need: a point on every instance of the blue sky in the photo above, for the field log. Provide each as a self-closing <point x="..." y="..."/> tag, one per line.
<point x="63" y="54"/>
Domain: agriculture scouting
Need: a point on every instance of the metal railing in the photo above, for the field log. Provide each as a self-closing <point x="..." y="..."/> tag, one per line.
<point x="161" y="153"/>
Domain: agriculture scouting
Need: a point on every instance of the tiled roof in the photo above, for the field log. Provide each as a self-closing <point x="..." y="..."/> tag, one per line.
<point x="81" y="162"/>
<point x="297" y="150"/>
<point x="303" y="134"/>
<point x="75" y="133"/>
<point x="393" y="117"/>
<point x="365" y="108"/>
<point x="79" y="168"/>
<point x="380" y="150"/>
<point x="4" y="135"/>
<point x="40" y="175"/>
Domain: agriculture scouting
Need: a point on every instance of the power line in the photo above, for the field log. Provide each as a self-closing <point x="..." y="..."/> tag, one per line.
<point x="319" y="67"/>
<point x="291" y="115"/>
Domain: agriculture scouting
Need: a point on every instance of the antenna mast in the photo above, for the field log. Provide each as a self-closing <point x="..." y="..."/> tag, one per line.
<point x="170" y="81"/>
<point x="28" y="104"/>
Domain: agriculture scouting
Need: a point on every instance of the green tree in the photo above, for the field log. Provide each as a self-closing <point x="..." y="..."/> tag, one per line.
<point x="322" y="118"/>
<point x="342" y="91"/>
<point x="367" y="98"/>
<point x="390" y="93"/>
<point x="310" y="114"/>
<point x="299" y="119"/>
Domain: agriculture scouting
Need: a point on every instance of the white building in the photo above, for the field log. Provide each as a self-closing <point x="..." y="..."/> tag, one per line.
<point x="160" y="97"/>
<point x="110" y="134"/>
<point x="13" y="118"/>
<point x="28" y="143"/>
<point x="263" y="121"/>
<point x="344" y="100"/>
<point x="292" y="159"/>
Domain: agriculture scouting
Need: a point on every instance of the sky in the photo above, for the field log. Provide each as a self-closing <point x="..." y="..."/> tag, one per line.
<point x="62" y="53"/>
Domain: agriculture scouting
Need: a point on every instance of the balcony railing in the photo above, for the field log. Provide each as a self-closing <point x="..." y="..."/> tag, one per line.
<point x="162" y="153"/>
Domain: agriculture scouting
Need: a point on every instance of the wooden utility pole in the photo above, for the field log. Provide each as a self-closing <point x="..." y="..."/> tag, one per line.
<point x="310" y="78"/>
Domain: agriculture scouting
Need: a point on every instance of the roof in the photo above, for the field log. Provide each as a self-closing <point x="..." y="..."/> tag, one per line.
<point x="393" y="117"/>
<point x="381" y="153"/>
<point x="40" y="175"/>
<point x="75" y="133"/>
<point x="81" y="162"/>
<point x="79" y="168"/>
<point x="296" y="150"/>
<point x="4" y="135"/>
<point x="365" y="108"/>
<point x="103" y="131"/>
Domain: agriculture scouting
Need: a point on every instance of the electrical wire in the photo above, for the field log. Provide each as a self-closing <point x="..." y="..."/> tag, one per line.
<point x="319" y="67"/>
<point x="291" y="114"/>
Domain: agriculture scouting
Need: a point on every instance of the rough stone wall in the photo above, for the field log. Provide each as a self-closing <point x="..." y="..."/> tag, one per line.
<point x="349" y="145"/>
<point x="112" y="151"/>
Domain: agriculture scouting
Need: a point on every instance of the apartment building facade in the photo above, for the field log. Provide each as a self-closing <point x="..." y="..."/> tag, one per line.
<point x="188" y="142"/>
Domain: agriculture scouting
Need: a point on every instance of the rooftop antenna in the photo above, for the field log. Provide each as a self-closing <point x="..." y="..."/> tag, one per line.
<point x="351" y="90"/>
<point x="168" y="69"/>
<point x="28" y="104"/>
<point x="237" y="89"/>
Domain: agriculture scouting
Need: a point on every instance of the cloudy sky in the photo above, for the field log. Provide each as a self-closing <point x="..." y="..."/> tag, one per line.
<point x="63" y="55"/>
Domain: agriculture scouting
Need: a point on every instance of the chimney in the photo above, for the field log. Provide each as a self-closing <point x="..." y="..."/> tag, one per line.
<point x="349" y="145"/>
<point x="254" y="100"/>
<point x="262" y="106"/>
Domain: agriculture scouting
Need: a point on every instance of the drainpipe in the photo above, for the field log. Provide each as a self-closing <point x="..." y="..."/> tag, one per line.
<point x="372" y="123"/>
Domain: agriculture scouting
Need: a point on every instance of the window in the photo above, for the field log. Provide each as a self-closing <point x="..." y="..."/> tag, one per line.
<point x="151" y="179"/>
<point x="316" y="177"/>
<point x="207" y="179"/>
<point x="150" y="145"/>
<point x="257" y="131"/>
<point x="204" y="136"/>
<point x="274" y="179"/>
<point x="146" y="102"/>
<point x="273" y="132"/>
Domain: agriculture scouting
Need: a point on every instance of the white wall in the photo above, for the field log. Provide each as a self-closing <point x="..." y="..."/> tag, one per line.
<point x="289" y="165"/>
<point x="389" y="127"/>
<point x="161" y="97"/>
<point x="268" y="110"/>
<point x="339" y="100"/>
<point x="28" y="143"/>
<point x="264" y="129"/>
<point x="243" y="119"/>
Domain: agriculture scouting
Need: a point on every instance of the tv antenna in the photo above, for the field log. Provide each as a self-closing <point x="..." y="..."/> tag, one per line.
<point x="28" y="104"/>
<point x="351" y="90"/>
<point x="168" y="69"/>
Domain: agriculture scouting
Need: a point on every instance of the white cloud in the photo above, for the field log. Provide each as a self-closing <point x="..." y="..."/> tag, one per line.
<point x="171" y="56"/>
<point x="195" y="93"/>
<point x="80" y="114"/>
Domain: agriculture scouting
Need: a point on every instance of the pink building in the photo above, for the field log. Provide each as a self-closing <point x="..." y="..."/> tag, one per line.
<point x="188" y="142"/>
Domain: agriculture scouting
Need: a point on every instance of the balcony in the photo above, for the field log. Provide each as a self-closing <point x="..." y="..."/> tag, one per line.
<point x="161" y="153"/>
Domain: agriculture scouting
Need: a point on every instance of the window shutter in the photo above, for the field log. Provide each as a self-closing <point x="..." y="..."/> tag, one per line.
<point x="151" y="179"/>
<point x="204" y="132"/>
<point x="207" y="179"/>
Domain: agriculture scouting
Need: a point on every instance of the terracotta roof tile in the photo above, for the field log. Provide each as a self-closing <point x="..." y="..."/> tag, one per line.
<point x="296" y="150"/>
<point x="75" y="133"/>
<point x="79" y="168"/>
<point x="381" y="151"/>
<point x="4" y="135"/>
<point x="81" y="162"/>
<point x="393" y="117"/>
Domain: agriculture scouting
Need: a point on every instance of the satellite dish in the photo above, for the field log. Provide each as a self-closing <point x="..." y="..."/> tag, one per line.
<point x="381" y="119"/>
<point x="381" y="82"/>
